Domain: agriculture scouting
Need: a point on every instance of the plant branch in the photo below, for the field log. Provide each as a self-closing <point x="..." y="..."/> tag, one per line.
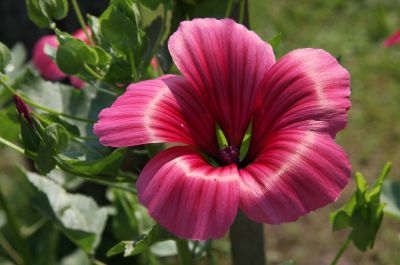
<point x="184" y="253"/>
<point x="81" y="21"/>
<point x="341" y="251"/>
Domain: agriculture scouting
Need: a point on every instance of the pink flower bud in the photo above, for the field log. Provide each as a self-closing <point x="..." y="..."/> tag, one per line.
<point x="42" y="62"/>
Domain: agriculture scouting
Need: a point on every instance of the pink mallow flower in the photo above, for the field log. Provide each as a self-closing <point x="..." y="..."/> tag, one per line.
<point x="392" y="40"/>
<point x="230" y="78"/>
<point x="45" y="65"/>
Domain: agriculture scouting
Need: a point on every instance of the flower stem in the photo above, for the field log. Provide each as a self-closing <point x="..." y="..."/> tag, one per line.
<point x="33" y="104"/>
<point x="92" y="72"/>
<point x="228" y="10"/>
<point x="11" y="145"/>
<point x="341" y="251"/>
<point x="81" y="21"/>
<point x="10" y="250"/>
<point x="247" y="241"/>
<point x="241" y="10"/>
<point x="132" y="62"/>
<point x="184" y="253"/>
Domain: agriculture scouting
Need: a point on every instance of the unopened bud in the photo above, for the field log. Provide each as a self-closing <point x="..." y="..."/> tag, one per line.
<point x="23" y="109"/>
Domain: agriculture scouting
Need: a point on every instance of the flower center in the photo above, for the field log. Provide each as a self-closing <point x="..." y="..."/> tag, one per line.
<point x="229" y="155"/>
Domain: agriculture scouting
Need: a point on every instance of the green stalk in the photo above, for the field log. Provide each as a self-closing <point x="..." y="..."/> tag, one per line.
<point x="10" y="250"/>
<point x="81" y="21"/>
<point x="228" y="10"/>
<point x="11" y="145"/>
<point x="132" y="62"/>
<point x="22" y="245"/>
<point x="92" y="72"/>
<point x="241" y="11"/>
<point x="341" y="251"/>
<point x="33" y="104"/>
<point x="184" y="253"/>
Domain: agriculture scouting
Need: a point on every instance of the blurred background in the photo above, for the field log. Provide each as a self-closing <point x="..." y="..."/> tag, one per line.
<point x="352" y="30"/>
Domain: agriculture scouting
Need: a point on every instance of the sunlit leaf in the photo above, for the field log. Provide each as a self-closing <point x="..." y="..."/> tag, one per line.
<point x="77" y="216"/>
<point x="363" y="212"/>
<point x="130" y="248"/>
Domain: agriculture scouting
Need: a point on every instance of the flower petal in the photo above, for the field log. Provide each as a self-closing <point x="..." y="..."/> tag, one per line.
<point x="156" y="111"/>
<point x="307" y="89"/>
<point x="392" y="40"/>
<point x="225" y="62"/>
<point x="299" y="171"/>
<point x="76" y="82"/>
<point x="187" y="196"/>
<point x="46" y="67"/>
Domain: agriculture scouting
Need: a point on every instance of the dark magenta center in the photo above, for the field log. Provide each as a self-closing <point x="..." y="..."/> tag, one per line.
<point x="229" y="155"/>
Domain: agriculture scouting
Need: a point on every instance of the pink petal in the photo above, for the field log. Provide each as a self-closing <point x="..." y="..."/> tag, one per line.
<point x="46" y="67"/>
<point x="187" y="196"/>
<point x="76" y="82"/>
<point x="392" y="40"/>
<point x="156" y="111"/>
<point x="306" y="89"/>
<point x="299" y="171"/>
<point x="225" y="62"/>
<point x="80" y="34"/>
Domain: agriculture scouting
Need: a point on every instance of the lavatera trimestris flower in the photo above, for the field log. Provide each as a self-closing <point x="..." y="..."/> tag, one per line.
<point x="290" y="110"/>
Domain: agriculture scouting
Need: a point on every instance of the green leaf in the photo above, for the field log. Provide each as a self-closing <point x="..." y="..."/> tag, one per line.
<point x="130" y="248"/>
<point x="244" y="147"/>
<point x="109" y="165"/>
<point x="30" y="137"/>
<point x="36" y="13"/>
<point x="275" y="41"/>
<point x="57" y="9"/>
<point x="5" y="57"/>
<point x="55" y="139"/>
<point x="391" y="196"/>
<point x="153" y="4"/>
<point x="375" y="192"/>
<point x="42" y="12"/>
<point x="73" y="54"/>
<point x="77" y="216"/>
<point x="222" y="141"/>
<point x="119" y="24"/>
<point x="363" y="212"/>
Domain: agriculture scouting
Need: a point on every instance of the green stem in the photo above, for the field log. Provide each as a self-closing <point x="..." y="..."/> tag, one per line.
<point x="22" y="245"/>
<point x="184" y="253"/>
<point x="132" y="62"/>
<point x="228" y="10"/>
<point x="11" y="145"/>
<point x="33" y="104"/>
<point x="81" y="21"/>
<point x="10" y="250"/>
<point x="341" y="251"/>
<point x="92" y="72"/>
<point x="241" y="11"/>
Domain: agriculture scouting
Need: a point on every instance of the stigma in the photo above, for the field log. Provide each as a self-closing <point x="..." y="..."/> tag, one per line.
<point x="229" y="155"/>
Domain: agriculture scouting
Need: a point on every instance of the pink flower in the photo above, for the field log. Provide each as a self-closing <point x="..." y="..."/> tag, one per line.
<point x="295" y="105"/>
<point x="392" y="40"/>
<point x="45" y="65"/>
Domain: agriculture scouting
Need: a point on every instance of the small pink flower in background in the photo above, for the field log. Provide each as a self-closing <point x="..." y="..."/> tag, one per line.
<point x="230" y="78"/>
<point x="392" y="40"/>
<point x="45" y="65"/>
